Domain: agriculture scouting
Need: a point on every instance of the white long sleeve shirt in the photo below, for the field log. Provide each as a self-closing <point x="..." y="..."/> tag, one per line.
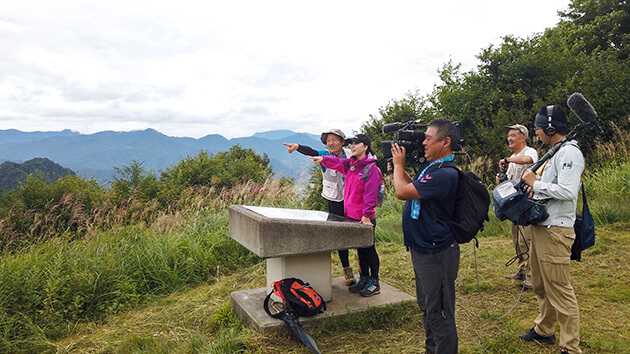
<point x="560" y="184"/>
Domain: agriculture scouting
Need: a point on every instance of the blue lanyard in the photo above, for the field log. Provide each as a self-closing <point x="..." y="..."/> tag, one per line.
<point x="415" y="204"/>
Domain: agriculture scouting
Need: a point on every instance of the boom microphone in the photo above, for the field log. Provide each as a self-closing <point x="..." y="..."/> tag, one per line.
<point x="391" y="127"/>
<point x="582" y="108"/>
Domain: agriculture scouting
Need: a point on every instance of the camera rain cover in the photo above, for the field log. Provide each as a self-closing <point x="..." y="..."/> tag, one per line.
<point x="511" y="203"/>
<point x="503" y="197"/>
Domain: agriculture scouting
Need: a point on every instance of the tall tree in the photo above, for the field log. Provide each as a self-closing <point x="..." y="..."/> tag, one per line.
<point x="600" y="25"/>
<point x="515" y="78"/>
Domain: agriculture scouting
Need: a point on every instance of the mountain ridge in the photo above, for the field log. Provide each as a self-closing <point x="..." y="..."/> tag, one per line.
<point x="96" y="155"/>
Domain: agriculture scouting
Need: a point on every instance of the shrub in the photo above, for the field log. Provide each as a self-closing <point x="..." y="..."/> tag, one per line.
<point x="37" y="209"/>
<point x="226" y="169"/>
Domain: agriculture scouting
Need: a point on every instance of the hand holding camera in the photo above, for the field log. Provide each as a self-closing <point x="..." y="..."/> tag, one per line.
<point x="398" y="154"/>
<point x="502" y="175"/>
<point x="409" y="138"/>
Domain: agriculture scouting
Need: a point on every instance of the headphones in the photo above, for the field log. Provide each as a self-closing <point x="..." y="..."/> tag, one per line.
<point x="550" y="130"/>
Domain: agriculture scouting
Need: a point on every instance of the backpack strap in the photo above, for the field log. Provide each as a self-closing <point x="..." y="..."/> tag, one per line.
<point x="366" y="171"/>
<point x="446" y="164"/>
<point x="584" y="202"/>
<point x="266" y="306"/>
<point x="434" y="208"/>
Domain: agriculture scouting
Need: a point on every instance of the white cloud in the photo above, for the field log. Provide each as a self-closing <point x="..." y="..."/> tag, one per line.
<point x="192" y="68"/>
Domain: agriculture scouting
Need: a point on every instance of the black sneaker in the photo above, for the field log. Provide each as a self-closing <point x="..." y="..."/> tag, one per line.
<point x="359" y="285"/>
<point x="533" y="336"/>
<point x="564" y="351"/>
<point x="371" y="288"/>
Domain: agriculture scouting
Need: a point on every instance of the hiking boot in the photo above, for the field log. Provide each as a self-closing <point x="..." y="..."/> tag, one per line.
<point x="347" y="273"/>
<point x="359" y="285"/>
<point x="526" y="284"/>
<point x="371" y="288"/>
<point x="533" y="336"/>
<point x="519" y="275"/>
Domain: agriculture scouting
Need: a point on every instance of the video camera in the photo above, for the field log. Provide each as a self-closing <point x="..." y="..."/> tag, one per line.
<point x="411" y="135"/>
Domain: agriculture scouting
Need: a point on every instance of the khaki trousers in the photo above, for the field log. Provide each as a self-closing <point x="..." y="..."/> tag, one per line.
<point x="550" y="267"/>
<point x="522" y="238"/>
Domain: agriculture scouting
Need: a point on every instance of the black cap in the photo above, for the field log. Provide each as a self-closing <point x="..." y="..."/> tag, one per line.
<point x="362" y="138"/>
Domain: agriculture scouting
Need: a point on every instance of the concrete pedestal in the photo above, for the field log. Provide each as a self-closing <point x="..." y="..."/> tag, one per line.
<point x="297" y="243"/>
<point x="277" y="232"/>
<point x="248" y="305"/>
<point x="313" y="268"/>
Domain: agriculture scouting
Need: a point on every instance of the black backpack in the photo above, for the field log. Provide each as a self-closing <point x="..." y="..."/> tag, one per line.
<point x="472" y="202"/>
<point x="302" y="299"/>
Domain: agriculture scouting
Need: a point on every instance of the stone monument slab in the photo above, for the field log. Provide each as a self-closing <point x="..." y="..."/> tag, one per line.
<point x="276" y="232"/>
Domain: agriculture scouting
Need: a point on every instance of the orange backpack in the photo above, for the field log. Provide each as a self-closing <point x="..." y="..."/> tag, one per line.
<point x="302" y="299"/>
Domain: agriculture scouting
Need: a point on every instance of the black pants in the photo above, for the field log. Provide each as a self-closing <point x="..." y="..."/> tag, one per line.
<point x="337" y="209"/>
<point x="435" y="293"/>
<point x="368" y="259"/>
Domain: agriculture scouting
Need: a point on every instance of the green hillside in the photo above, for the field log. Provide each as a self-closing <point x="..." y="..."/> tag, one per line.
<point x="13" y="174"/>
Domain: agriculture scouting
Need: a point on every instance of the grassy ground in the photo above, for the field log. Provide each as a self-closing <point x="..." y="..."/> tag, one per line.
<point x="198" y="319"/>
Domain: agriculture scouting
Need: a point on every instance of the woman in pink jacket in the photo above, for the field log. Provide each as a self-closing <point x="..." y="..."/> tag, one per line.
<point x="360" y="199"/>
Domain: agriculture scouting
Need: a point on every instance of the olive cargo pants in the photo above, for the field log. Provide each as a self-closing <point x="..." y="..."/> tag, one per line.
<point x="550" y="266"/>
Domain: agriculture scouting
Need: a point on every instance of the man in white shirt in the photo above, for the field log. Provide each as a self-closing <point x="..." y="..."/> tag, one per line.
<point x="522" y="157"/>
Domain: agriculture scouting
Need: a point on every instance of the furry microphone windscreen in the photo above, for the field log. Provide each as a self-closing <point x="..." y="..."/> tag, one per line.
<point x="581" y="107"/>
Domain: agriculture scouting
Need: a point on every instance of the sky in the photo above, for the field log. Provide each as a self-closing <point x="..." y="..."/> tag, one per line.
<point x="237" y="67"/>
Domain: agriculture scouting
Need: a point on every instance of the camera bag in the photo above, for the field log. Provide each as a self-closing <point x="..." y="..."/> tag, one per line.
<point x="584" y="228"/>
<point x="510" y="202"/>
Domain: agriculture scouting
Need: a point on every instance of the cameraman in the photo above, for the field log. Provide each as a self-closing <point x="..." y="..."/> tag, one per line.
<point x="434" y="251"/>
<point x="522" y="156"/>
<point x="552" y="238"/>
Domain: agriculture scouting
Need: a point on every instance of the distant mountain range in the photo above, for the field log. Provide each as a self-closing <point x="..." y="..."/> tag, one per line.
<point x="96" y="155"/>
